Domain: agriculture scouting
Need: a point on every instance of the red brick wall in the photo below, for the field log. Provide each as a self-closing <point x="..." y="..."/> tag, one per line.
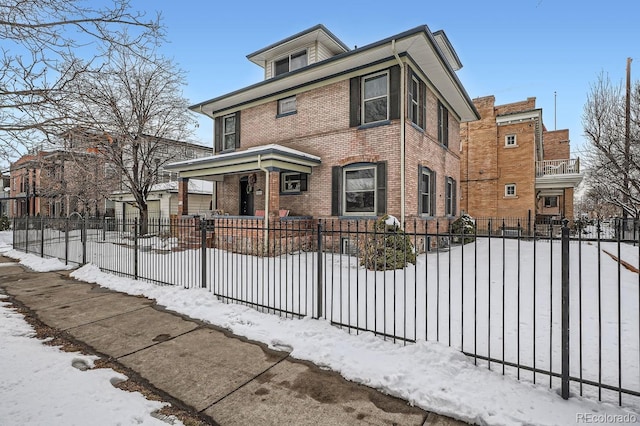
<point x="321" y="127"/>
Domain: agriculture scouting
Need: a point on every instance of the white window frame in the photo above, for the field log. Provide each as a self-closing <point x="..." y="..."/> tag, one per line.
<point x="226" y="133"/>
<point x="510" y="190"/>
<point x="426" y="191"/>
<point x="414" y="106"/>
<point x="511" y="140"/>
<point x="289" y="185"/>
<point x="304" y="52"/>
<point x="443" y="124"/>
<point x="364" y="100"/>
<point x="550" y="206"/>
<point x="345" y="170"/>
<point x="449" y="194"/>
<point x="291" y="100"/>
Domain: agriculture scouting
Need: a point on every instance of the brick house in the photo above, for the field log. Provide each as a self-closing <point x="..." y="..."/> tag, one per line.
<point x="334" y="132"/>
<point x="513" y="167"/>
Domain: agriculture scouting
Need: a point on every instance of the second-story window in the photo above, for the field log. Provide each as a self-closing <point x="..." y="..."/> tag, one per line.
<point x="375" y="91"/>
<point x="229" y="132"/>
<point x="414" y="100"/>
<point x="291" y="63"/>
<point x="443" y="124"/>
<point x="287" y="105"/>
<point x="510" y="140"/>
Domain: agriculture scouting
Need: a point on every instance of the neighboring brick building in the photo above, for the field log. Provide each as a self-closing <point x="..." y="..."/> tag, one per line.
<point x="512" y="167"/>
<point x="74" y="176"/>
<point x="335" y="132"/>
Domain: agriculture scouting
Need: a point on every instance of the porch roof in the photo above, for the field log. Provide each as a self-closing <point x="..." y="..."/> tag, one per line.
<point x="271" y="157"/>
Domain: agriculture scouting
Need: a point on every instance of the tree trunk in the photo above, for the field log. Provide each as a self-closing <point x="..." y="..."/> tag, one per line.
<point x="144" y="218"/>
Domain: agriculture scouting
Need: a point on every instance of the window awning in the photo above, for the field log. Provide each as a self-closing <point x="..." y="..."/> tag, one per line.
<point x="271" y="157"/>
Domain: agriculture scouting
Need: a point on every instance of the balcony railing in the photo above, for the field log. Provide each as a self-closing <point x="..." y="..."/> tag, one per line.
<point x="569" y="166"/>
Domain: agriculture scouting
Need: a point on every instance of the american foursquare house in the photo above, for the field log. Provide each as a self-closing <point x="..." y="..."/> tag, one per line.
<point x="334" y="132"/>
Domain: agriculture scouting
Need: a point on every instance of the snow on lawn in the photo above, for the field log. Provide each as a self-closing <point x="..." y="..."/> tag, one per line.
<point x="427" y="374"/>
<point x="40" y="385"/>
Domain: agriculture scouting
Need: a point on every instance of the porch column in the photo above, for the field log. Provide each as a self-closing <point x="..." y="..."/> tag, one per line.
<point x="274" y="193"/>
<point x="183" y="196"/>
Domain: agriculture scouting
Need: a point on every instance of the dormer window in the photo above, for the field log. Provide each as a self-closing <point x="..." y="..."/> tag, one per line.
<point x="291" y="62"/>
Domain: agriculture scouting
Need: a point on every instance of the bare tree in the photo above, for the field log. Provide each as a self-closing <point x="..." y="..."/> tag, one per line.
<point x="613" y="161"/>
<point x="46" y="45"/>
<point x="135" y="107"/>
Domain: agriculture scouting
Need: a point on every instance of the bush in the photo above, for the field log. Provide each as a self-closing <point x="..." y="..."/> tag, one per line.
<point x="461" y="227"/>
<point x="5" y="223"/>
<point x="389" y="247"/>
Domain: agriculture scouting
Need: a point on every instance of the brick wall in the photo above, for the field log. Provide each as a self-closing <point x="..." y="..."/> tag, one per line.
<point x="321" y="127"/>
<point x="556" y="145"/>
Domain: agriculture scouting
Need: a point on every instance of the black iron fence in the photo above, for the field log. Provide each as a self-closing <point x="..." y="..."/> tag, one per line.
<point x="557" y="304"/>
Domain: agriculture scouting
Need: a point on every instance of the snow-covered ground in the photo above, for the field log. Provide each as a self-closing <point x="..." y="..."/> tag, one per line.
<point x="43" y="385"/>
<point x="430" y="375"/>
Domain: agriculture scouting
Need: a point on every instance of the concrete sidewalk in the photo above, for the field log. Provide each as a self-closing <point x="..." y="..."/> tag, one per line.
<point x="225" y="378"/>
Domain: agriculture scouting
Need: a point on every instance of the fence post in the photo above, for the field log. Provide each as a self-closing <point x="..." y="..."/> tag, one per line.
<point x="66" y="241"/>
<point x="135" y="248"/>
<point x="319" y="272"/>
<point x="41" y="236"/>
<point x="83" y="238"/>
<point x="13" y="231"/>
<point x="565" y="309"/>
<point x="104" y="228"/>
<point x="26" y="229"/>
<point x="203" y="249"/>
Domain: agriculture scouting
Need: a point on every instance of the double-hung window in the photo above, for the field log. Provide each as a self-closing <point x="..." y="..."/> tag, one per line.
<point x="443" y="124"/>
<point x="510" y="140"/>
<point x="291" y="62"/>
<point x="450" y="197"/>
<point x="414" y="101"/>
<point x="426" y="189"/>
<point x="229" y="132"/>
<point x="375" y="98"/>
<point x="359" y="190"/>
<point x="551" y="201"/>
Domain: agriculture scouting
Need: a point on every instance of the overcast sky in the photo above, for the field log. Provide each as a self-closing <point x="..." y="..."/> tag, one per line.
<point x="510" y="49"/>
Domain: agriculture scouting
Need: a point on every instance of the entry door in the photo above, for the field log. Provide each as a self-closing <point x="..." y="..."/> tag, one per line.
<point x="246" y="197"/>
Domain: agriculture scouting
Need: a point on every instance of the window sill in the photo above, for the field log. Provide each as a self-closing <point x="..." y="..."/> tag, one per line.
<point x="376" y="124"/>
<point x="291" y="193"/>
<point x="415" y="126"/>
<point x="510" y="197"/>
<point x="286" y="114"/>
<point x="358" y="217"/>
<point x="511" y="146"/>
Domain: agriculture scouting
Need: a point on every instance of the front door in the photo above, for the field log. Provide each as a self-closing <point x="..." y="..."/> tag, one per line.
<point x="246" y="197"/>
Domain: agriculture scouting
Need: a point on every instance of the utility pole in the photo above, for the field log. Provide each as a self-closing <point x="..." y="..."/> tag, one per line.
<point x="627" y="139"/>
<point x="555" y="109"/>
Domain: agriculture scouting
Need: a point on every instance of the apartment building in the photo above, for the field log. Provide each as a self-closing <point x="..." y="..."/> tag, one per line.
<point x="513" y="167"/>
<point x="339" y="132"/>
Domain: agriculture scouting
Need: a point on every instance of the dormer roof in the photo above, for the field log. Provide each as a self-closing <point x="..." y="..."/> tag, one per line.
<point x="317" y="33"/>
